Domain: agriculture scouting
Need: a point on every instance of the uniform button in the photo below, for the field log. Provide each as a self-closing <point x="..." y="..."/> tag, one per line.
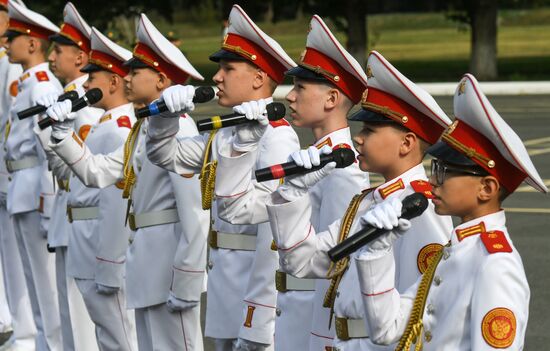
<point x="278" y="312"/>
<point x="437" y="280"/>
<point x="337" y="294"/>
<point x="9" y="179"/>
<point x="428" y="336"/>
<point x="210" y="264"/>
<point x="430" y="309"/>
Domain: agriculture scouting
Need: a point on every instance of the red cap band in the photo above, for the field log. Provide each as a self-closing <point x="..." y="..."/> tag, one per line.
<point x="152" y="59"/>
<point x="76" y="36"/>
<point x="320" y="63"/>
<point x="256" y="55"/>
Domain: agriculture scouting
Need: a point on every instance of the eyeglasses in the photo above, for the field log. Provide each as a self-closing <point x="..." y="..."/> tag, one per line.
<point x="440" y="170"/>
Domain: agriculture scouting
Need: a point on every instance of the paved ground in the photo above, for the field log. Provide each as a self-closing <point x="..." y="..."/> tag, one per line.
<point x="528" y="212"/>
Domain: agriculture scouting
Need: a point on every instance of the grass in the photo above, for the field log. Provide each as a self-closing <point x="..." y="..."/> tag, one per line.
<point x="424" y="46"/>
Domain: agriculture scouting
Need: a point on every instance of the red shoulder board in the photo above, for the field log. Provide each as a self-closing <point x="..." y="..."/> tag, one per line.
<point x="423" y="187"/>
<point x="279" y="123"/>
<point x="495" y="241"/>
<point x="185" y="115"/>
<point x="124" y="121"/>
<point x="342" y="146"/>
<point x="42" y="76"/>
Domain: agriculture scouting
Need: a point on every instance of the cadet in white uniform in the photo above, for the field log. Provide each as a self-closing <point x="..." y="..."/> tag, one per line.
<point x="30" y="192"/>
<point x="241" y="288"/>
<point x="166" y="259"/>
<point x="99" y="238"/>
<point x="70" y="53"/>
<point x="14" y="280"/>
<point x="399" y="121"/>
<point x="332" y="81"/>
<point x="474" y="295"/>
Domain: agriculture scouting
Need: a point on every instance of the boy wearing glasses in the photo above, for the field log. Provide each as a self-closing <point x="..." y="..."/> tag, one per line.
<point x="474" y="295"/>
<point x="400" y="121"/>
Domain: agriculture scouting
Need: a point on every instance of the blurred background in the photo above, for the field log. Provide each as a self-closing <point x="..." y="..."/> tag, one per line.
<point x="428" y="40"/>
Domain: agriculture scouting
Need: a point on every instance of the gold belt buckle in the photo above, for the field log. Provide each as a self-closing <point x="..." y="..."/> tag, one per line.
<point x="273" y="246"/>
<point x="280" y="281"/>
<point x="132" y="222"/>
<point x="70" y="214"/>
<point x="213" y="239"/>
<point x="341" y="328"/>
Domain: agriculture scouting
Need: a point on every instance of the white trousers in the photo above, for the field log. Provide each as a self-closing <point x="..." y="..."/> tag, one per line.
<point x="39" y="269"/>
<point x="24" y="331"/>
<point x="77" y="329"/>
<point x="113" y="328"/>
<point x="159" y="329"/>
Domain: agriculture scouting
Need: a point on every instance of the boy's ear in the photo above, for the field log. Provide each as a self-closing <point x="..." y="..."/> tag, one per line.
<point x="489" y="188"/>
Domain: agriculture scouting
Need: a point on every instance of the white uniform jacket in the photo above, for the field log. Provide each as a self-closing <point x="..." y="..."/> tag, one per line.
<point x="234" y="275"/>
<point x="31" y="188"/>
<point x="304" y="254"/>
<point x="8" y="90"/>
<point x="239" y="202"/>
<point x="161" y="257"/>
<point x="478" y="298"/>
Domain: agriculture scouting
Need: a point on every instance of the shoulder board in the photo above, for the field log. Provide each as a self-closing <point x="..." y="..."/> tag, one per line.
<point x="279" y="123"/>
<point x="42" y="76"/>
<point x="341" y="146"/>
<point x="124" y="121"/>
<point x="423" y="187"/>
<point x="495" y="241"/>
<point x="185" y="115"/>
<point x="391" y="188"/>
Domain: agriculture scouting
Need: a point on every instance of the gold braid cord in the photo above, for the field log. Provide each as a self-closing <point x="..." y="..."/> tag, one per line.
<point x="336" y="270"/>
<point x="208" y="174"/>
<point x="415" y="327"/>
<point x="129" y="174"/>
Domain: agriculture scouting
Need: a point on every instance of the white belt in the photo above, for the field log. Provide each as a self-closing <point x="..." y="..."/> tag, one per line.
<point x="149" y="219"/>
<point x="285" y="282"/>
<point x="350" y="328"/>
<point x="27" y="162"/>
<point x="82" y="213"/>
<point x="231" y="241"/>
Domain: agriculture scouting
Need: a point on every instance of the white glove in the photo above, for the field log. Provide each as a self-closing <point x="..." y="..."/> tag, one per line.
<point x="247" y="345"/>
<point x="48" y="99"/>
<point x="385" y="216"/>
<point x="61" y="113"/>
<point x="297" y="186"/>
<point x="175" y="305"/>
<point x="178" y="99"/>
<point x="248" y="135"/>
<point x="106" y="290"/>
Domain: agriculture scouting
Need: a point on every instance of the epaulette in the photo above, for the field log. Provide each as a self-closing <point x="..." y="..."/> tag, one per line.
<point x="124" y="121"/>
<point x="341" y="146"/>
<point x="42" y="76"/>
<point x="279" y="123"/>
<point x="495" y="241"/>
<point x="423" y="187"/>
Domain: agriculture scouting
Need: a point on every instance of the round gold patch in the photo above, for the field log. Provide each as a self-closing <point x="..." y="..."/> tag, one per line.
<point x="426" y="255"/>
<point x="499" y="327"/>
